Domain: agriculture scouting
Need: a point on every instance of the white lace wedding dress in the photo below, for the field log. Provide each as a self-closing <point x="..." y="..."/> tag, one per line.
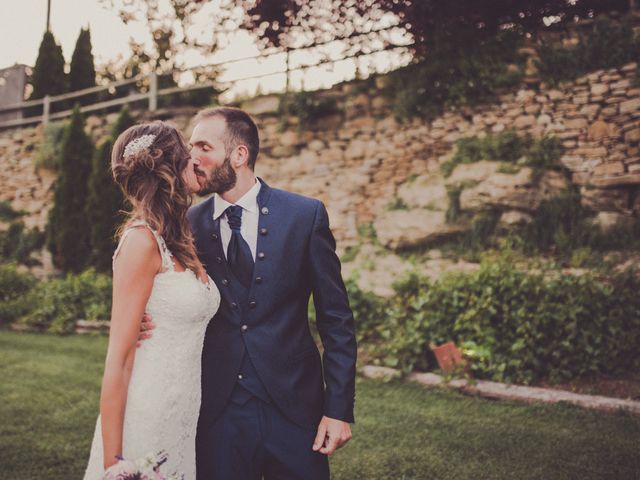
<point x="163" y="399"/>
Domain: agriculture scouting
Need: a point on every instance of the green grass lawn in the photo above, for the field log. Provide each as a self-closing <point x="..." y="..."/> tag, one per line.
<point x="49" y="401"/>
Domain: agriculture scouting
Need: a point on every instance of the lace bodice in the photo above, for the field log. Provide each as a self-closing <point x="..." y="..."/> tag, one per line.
<point x="163" y="399"/>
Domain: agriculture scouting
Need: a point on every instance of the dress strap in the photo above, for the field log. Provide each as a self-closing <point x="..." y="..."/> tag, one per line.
<point x="165" y="254"/>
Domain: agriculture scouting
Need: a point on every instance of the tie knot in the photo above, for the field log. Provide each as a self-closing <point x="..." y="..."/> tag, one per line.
<point x="234" y="217"/>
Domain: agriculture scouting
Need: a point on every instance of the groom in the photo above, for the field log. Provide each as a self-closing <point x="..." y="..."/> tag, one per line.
<point x="271" y="407"/>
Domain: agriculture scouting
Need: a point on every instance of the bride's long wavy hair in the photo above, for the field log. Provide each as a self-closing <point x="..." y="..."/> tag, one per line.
<point x="152" y="180"/>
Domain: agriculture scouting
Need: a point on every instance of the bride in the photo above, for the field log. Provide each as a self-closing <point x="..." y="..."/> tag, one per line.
<point x="150" y="396"/>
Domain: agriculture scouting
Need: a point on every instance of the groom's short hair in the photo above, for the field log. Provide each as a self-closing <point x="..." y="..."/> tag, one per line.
<point x="241" y="129"/>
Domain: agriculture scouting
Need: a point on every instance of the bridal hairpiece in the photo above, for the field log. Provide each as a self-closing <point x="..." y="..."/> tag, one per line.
<point x="138" y="144"/>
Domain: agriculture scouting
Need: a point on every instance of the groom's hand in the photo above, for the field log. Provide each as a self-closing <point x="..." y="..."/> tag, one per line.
<point x="145" y="329"/>
<point x="332" y="434"/>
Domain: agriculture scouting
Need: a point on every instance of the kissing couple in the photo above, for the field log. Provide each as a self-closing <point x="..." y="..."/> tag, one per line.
<point x="210" y="355"/>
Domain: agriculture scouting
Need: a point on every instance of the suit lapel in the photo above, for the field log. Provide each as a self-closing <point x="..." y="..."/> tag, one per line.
<point x="211" y="251"/>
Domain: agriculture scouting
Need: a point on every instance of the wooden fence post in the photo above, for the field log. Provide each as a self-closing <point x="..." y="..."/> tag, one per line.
<point x="153" y="92"/>
<point x="46" y="108"/>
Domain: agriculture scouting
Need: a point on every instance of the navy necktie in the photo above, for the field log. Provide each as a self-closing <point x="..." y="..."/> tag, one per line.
<point x="239" y="254"/>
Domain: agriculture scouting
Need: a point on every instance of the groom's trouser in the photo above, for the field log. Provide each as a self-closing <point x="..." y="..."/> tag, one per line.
<point x="251" y="440"/>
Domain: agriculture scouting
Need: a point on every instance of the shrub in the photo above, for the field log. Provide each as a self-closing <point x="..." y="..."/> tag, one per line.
<point x="306" y="106"/>
<point x="55" y="305"/>
<point x="606" y="44"/>
<point x="464" y="71"/>
<point x="17" y="243"/>
<point x="506" y="147"/>
<point x="14" y="285"/>
<point x="7" y="212"/>
<point x="48" y="153"/>
<point x="526" y="326"/>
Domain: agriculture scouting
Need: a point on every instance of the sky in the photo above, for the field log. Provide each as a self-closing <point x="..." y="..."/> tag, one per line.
<point x="22" y="25"/>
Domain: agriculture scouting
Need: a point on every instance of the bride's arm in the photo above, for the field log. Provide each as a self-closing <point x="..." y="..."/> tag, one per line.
<point x="135" y="267"/>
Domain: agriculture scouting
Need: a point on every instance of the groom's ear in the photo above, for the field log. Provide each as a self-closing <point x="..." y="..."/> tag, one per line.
<point x="241" y="156"/>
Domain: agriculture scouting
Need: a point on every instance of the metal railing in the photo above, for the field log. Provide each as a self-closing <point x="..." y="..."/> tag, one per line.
<point x="153" y="93"/>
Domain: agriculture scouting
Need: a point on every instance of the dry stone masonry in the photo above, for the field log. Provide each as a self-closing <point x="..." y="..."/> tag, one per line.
<point x="361" y="162"/>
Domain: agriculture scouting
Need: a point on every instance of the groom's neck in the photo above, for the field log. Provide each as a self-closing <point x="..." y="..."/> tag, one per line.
<point x="244" y="183"/>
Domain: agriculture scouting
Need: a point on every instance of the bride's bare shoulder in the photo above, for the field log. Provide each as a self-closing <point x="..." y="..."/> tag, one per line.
<point x="138" y="248"/>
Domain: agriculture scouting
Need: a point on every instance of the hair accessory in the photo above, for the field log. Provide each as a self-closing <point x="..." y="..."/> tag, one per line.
<point x="138" y="144"/>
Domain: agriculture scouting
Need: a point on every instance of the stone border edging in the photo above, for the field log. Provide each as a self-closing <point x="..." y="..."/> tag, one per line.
<point x="501" y="391"/>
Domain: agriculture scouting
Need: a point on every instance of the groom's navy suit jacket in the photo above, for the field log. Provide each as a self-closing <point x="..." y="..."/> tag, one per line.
<point x="295" y="256"/>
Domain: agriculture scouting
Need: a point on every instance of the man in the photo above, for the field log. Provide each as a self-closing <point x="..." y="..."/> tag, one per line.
<point x="267" y="409"/>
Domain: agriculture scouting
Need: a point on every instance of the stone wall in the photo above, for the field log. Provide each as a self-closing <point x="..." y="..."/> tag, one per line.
<point x="360" y="160"/>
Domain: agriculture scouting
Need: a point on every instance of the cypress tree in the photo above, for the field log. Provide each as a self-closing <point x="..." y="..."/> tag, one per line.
<point x="105" y="200"/>
<point x="67" y="229"/>
<point x="48" y="74"/>
<point x="83" y="73"/>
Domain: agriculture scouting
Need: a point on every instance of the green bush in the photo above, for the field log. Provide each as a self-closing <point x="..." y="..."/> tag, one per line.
<point x="7" y="212"/>
<point x="506" y="147"/>
<point x="14" y="285"/>
<point x="55" y="305"/>
<point x="306" y="106"/>
<point x="17" y="244"/>
<point x="49" y="152"/>
<point x="523" y="326"/>
<point x="457" y="71"/>
<point x="606" y="44"/>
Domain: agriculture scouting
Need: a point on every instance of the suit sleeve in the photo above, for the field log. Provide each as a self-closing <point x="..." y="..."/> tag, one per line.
<point x="334" y="320"/>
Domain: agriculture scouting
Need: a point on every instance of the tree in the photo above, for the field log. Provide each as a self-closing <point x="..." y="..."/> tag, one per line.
<point x="172" y="29"/>
<point x="67" y="231"/>
<point x="279" y="22"/>
<point x="105" y="200"/>
<point x="83" y="73"/>
<point x="48" y="74"/>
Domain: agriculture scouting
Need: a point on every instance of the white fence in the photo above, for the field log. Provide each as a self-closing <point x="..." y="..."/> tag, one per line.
<point x="151" y="93"/>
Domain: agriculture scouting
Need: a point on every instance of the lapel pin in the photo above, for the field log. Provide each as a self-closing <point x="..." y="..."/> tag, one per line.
<point x="265" y="211"/>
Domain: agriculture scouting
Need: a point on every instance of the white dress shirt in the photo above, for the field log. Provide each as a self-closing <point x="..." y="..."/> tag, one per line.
<point x="250" y="215"/>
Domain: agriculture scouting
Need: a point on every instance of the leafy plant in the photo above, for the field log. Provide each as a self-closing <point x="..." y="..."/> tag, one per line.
<point x="520" y="326"/>
<point x="606" y="44"/>
<point x="48" y="153"/>
<point x="14" y="285"/>
<point x="507" y="147"/>
<point x="17" y="243"/>
<point x="7" y="212"/>
<point x="456" y="72"/>
<point x="306" y="106"/>
<point x="55" y="305"/>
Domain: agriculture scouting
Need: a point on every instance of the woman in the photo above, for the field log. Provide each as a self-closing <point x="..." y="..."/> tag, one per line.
<point x="150" y="397"/>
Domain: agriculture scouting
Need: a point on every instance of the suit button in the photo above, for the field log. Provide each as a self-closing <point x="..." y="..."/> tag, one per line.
<point x="252" y="304"/>
<point x="219" y="259"/>
<point x="239" y="376"/>
<point x="225" y="282"/>
<point x="244" y="328"/>
<point x="258" y="279"/>
<point x="261" y="255"/>
<point x="263" y="231"/>
<point x="265" y="211"/>
<point x="214" y="236"/>
<point x="234" y="305"/>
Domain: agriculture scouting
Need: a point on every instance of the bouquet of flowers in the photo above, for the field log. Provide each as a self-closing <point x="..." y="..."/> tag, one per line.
<point x="145" y="468"/>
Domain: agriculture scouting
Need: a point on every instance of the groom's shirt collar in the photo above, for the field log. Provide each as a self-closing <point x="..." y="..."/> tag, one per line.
<point x="249" y="201"/>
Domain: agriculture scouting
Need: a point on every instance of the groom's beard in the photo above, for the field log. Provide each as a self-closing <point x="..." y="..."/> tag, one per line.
<point x="221" y="180"/>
